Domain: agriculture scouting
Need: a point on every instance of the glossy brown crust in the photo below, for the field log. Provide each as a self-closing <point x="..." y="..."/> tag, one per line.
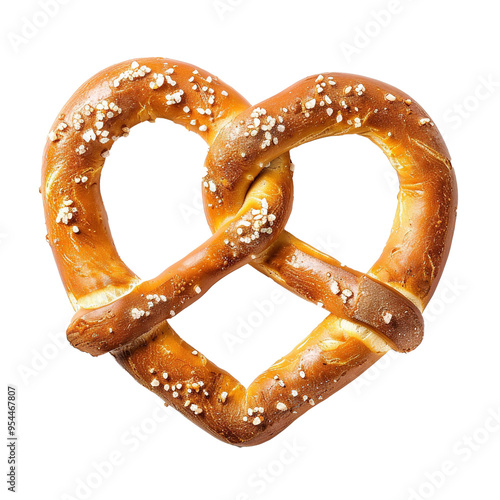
<point x="248" y="194"/>
<point x="327" y="359"/>
<point x="416" y="252"/>
<point x="310" y="274"/>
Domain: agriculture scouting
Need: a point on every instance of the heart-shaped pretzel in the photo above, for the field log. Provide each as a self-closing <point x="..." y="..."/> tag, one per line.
<point x="248" y="194"/>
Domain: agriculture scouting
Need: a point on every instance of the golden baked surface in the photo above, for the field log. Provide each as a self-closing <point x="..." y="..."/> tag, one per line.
<point x="248" y="194"/>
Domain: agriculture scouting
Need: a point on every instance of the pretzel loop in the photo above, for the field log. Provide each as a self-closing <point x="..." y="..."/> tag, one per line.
<point x="114" y="306"/>
<point x="247" y="193"/>
<point x="337" y="104"/>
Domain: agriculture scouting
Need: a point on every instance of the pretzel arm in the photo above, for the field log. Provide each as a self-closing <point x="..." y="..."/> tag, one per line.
<point x="108" y="327"/>
<point x="324" y="281"/>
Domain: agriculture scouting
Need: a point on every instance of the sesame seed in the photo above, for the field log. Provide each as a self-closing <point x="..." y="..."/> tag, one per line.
<point x="155" y="382"/>
<point x="175" y="394"/>
<point x="195" y="353"/>
<point x="165" y="375"/>
<point x="302" y="374"/>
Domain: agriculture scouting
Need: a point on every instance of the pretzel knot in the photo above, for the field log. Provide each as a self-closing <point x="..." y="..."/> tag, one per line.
<point x="247" y="194"/>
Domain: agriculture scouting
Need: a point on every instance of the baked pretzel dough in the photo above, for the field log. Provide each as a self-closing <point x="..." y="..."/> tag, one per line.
<point x="248" y="196"/>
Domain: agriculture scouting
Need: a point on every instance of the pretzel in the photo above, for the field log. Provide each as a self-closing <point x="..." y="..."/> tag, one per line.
<point x="247" y="192"/>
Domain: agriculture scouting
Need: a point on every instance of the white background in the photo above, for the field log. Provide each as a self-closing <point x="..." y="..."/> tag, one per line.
<point x="385" y="436"/>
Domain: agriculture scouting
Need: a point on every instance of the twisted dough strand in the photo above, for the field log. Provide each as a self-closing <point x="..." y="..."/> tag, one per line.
<point x="247" y="193"/>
